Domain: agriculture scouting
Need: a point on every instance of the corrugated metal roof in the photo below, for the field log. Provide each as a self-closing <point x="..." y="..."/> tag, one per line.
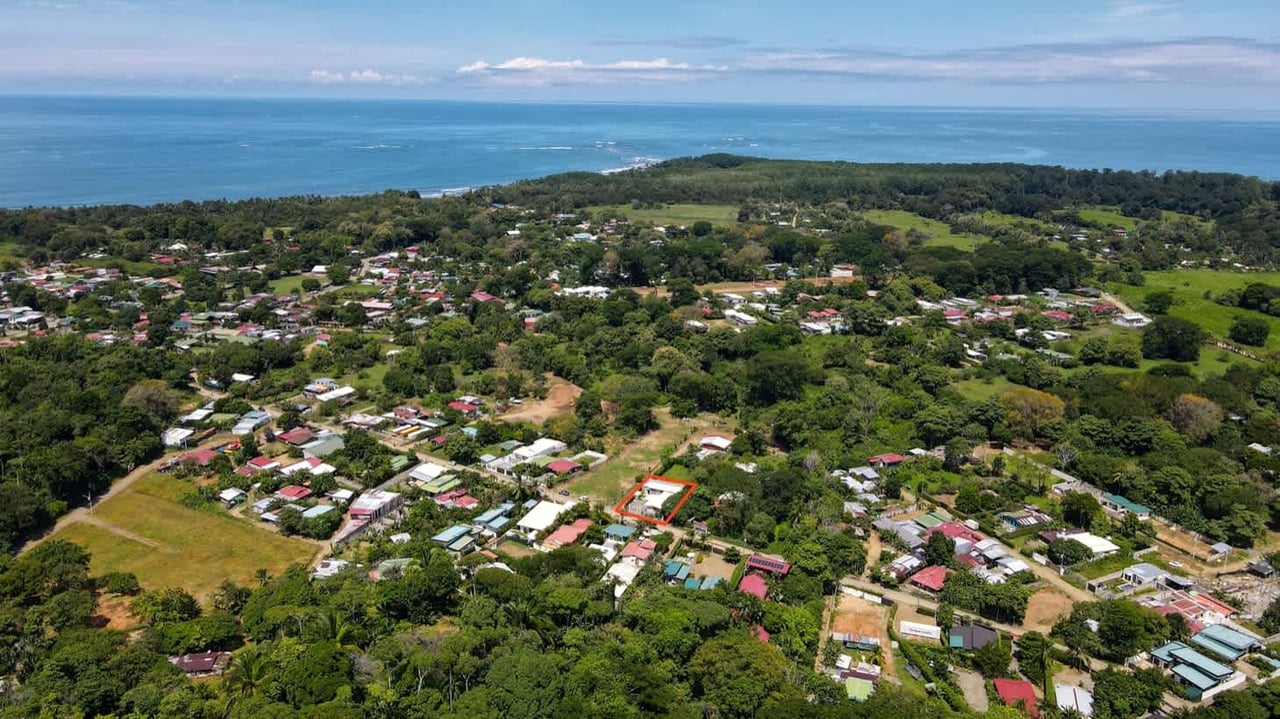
<point x="1194" y="678"/>
<point x="1231" y="637"/>
<point x="1203" y="664"/>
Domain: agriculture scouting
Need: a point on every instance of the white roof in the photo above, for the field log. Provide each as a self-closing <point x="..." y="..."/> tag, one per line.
<point x="197" y="415"/>
<point x="176" y="435"/>
<point x="540" y="448"/>
<point x="718" y="442"/>
<point x="338" y="393"/>
<point x="428" y="471"/>
<point x="1069" y="697"/>
<point x="658" y="485"/>
<point x="1096" y="544"/>
<point x="230" y="494"/>
<point x="625" y="573"/>
<point x="241" y="377"/>
<point x="374" y="499"/>
<point x="542" y="516"/>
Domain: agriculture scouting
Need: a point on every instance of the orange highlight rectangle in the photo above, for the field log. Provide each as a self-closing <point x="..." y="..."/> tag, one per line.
<point x="621" y="507"/>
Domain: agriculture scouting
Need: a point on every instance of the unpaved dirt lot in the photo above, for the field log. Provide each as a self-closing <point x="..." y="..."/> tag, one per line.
<point x="560" y="398"/>
<point x="714" y="565"/>
<point x="974" y="688"/>
<point x="908" y="613"/>
<point x="858" y="616"/>
<point x="1045" y="608"/>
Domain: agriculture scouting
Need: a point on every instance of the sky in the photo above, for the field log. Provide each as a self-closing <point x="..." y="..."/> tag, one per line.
<point x="1132" y="54"/>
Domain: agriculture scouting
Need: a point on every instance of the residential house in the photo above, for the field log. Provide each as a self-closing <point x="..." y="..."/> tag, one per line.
<point x="566" y="534"/>
<point x="1200" y="676"/>
<point x="1015" y="692"/>
<point x="203" y="664"/>
<point x="931" y="579"/>
<point x="374" y="505"/>
<point x="971" y="636"/>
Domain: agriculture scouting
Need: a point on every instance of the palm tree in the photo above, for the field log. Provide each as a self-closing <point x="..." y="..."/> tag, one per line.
<point x="337" y="629"/>
<point x="262" y="576"/>
<point x="248" y="672"/>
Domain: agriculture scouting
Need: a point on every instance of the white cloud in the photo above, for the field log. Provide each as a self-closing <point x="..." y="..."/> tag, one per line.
<point x="361" y="77"/>
<point x="542" y="71"/>
<point x="1209" y="60"/>
<point x="1123" y="10"/>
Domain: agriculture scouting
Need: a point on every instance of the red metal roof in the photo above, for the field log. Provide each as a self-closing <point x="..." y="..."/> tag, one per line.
<point x="890" y="458"/>
<point x="563" y="466"/>
<point x="767" y="564"/>
<point x="754" y="585"/>
<point x="640" y="549"/>
<point x="1012" y="691"/>
<point x="931" y="578"/>
<point x="200" y="456"/>
<point x="294" y="491"/>
<point x="297" y="435"/>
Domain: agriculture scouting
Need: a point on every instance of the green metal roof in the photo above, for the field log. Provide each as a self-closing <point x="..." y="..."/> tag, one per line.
<point x="1126" y="503"/>
<point x="858" y="689"/>
<point x="929" y="521"/>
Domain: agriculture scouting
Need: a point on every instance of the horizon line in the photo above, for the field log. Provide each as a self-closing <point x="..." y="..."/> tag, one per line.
<point x="1126" y="110"/>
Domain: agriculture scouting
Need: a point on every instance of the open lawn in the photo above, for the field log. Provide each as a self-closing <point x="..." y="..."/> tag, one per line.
<point x="976" y="390"/>
<point x="287" y="285"/>
<point x="515" y="550"/>
<point x="370" y="377"/>
<point x="357" y="291"/>
<point x="608" y="482"/>
<point x="1108" y="217"/>
<point x="940" y="233"/>
<point x="1188" y="288"/>
<point x="145" y="531"/>
<point x="677" y="214"/>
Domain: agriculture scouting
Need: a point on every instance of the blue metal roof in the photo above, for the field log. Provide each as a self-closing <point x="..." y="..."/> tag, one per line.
<point x="451" y="534"/>
<point x="1231" y="637"/>
<point x="1217" y="647"/>
<point x="1194" y="678"/>
<point x="1202" y="664"/>
<point x="621" y="531"/>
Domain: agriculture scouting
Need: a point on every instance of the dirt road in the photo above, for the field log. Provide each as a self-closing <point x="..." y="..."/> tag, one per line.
<point x="85" y="514"/>
<point x="1124" y="307"/>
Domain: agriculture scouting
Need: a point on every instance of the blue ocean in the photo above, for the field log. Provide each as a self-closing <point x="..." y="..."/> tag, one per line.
<point x="78" y="151"/>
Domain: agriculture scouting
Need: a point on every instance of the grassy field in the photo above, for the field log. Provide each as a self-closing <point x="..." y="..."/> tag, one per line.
<point x="678" y="214"/>
<point x="991" y="217"/>
<point x="286" y="285"/>
<point x="372" y="376"/>
<point x="940" y="233"/>
<point x="356" y="291"/>
<point x="976" y="390"/>
<point x="145" y="531"/>
<point x="1189" y="286"/>
<point x="1108" y="216"/>
<point x="608" y="482"/>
